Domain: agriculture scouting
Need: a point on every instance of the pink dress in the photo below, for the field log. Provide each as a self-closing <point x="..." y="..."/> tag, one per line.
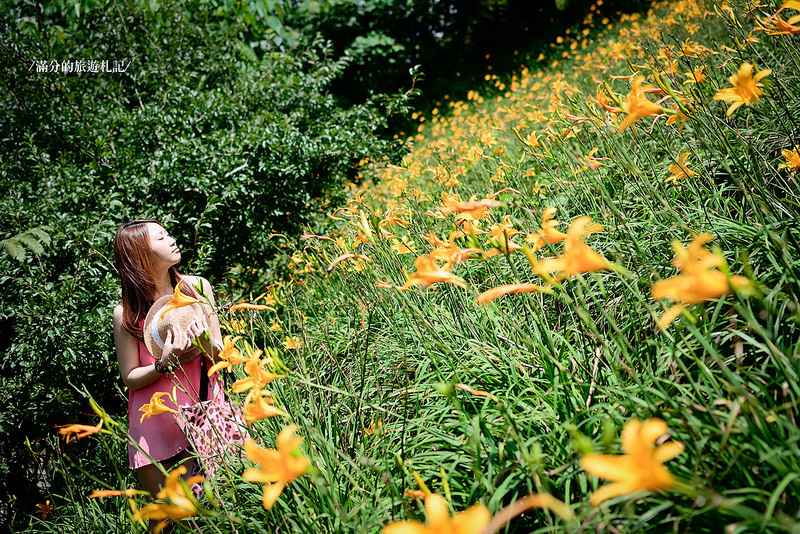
<point x="159" y="436"/>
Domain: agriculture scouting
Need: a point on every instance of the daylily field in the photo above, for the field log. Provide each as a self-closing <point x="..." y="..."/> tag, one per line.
<point x="573" y="307"/>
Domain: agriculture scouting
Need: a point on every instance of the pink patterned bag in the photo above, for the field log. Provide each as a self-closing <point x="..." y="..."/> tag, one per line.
<point x="214" y="428"/>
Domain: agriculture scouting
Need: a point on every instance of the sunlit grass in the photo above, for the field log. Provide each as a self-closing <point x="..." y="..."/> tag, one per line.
<point x="666" y="294"/>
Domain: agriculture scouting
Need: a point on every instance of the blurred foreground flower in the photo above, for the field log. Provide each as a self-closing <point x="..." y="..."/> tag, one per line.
<point x="578" y="257"/>
<point x="471" y="521"/>
<point x="745" y="88"/>
<point x="79" y="431"/>
<point x="641" y="468"/>
<point x="699" y="279"/>
<point x="179" y="503"/>
<point x="277" y="467"/>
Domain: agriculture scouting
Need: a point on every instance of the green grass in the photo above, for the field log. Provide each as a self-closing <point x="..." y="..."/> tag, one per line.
<point x="562" y="373"/>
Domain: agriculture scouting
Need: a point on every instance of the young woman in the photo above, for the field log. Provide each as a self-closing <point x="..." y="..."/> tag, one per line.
<point x="146" y="257"/>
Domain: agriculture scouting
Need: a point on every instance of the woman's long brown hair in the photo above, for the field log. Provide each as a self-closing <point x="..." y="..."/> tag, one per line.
<point x="134" y="261"/>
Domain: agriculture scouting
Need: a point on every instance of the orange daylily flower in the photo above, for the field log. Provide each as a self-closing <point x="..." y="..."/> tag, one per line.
<point x="471" y="521"/>
<point x="292" y="342"/>
<point x="637" y="105"/>
<point x="261" y="406"/>
<point x="179" y="501"/>
<point x="578" y="257"/>
<point x="679" y="171"/>
<point x="79" y="431"/>
<point x="548" y="233"/>
<point x="370" y="430"/>
<point x="497" y="292"/>
<point x="156" y="406"/>
<point x="641" y="468"/>
<point x="699" y="280"/>
<point x="277" y="467"/>
<point x="475" y="209"/>
<point x="602" y="100"/>
<point x="228" y="356"/>
<point x="178" y="299"/>
<point x="257" y="377"/>
<point x="343" y="257"/>
<point x="248" y="306"/>
<point x="745" y="90"/>
<point x="503" y="230"/>
<point x="44" y="509"/>
<point x="792" y="158"/>
<point x="428" y="273"/>
<point x="775" y="25"/>
<point x="414" y="494"/>
<point x="433" y="240"/>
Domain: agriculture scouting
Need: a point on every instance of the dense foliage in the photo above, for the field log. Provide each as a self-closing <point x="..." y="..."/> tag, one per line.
<point x="630" y="368"/>
<point x="225" y="146"/>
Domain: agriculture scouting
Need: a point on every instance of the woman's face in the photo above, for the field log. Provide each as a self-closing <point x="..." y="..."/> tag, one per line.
<point x="165" y="251"/>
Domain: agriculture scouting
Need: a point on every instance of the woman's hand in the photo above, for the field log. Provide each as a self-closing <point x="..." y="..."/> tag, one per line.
<point x="178" y="342"/>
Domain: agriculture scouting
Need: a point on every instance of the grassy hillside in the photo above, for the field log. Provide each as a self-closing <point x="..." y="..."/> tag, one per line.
<point x="634" y="367"/>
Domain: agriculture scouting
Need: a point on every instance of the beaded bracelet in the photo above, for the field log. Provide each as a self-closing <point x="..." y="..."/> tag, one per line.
<point x="161" y="368"/>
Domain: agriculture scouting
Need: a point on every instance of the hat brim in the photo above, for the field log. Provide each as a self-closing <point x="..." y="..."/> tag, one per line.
<point x="178" y="317"/>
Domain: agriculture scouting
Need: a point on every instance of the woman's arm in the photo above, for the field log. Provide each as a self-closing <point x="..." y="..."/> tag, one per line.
<point x="133" y="375"/>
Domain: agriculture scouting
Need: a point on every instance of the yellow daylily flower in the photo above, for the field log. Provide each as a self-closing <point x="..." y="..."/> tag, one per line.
<point x="257" y="377"/>
<point x="641" y="468"/>
<point x="745" y="90"/>
<point x="261" y="406"/>
<point x="277" y="467"/>
<point x="496" y="292"/>
<point x="471" y="521"/>
<point x="637" y="105"/>
<point x="178" y="299"/>
<point x="792" y="158"/>
<point x="699" y="280"/>
<point x="548" y="234"/>
<point x="228" y="356"/>
<point x="179" y="502"/>
<point x="428" y="273"/>
<point x="248" y="306"/>
<point x="578" y="257"/>
<point x="156" y="406"/>
<point x="679" y="171"/>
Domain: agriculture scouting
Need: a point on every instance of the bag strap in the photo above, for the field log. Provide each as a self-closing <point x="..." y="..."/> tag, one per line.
<point x="204" y="383"/>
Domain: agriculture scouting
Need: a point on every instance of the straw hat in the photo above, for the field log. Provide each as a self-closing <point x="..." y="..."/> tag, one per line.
<point x="155" y="327"/>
